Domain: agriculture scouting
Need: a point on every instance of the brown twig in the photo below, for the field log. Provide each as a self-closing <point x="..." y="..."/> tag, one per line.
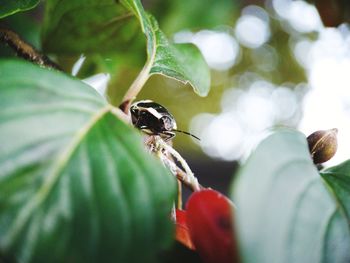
<point x="166" y="153"/>
<point x="181" y="175"/>
<point x="25" y="50"/>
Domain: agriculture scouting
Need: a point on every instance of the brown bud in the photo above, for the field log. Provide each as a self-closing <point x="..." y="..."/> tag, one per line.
<point x="323" y="145"/>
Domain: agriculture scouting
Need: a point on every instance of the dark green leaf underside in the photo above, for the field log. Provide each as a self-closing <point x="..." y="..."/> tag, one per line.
<point x="183" y="62"/>
<point x="191" y="13"/>
<point x="284" y="211"/>
<point x="338" y="178"/>
<point x="108" y="27"/>
<point x="10" y="7"/>
<point x="75" y="182"/>
<point x="75" y="27"/>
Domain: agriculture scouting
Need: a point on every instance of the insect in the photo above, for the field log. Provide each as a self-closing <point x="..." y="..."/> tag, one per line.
<point x="154" y="119"/>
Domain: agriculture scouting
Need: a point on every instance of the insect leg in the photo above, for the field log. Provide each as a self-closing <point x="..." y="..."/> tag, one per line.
<point x="168" y="135"/>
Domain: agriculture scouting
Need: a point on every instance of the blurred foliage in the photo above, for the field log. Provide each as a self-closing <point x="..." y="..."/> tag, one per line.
<point x="286" y="69"/>
<point x="27" y="25"/>
<point x="74" y="27"/>
<point x="195" y="15"/>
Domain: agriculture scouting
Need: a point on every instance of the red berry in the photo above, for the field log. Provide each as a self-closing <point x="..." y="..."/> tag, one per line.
<point x="181" y="232"/>
<point x="209" y="219"/>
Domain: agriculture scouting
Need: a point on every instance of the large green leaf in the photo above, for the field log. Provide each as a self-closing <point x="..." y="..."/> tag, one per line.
<point x="338" y="178"/>
<point x="10" y="7"/>
<point x="75" y="182"/>
<point x="194" y="14"/>
<point x="77" y="26"/>
<point x="96" y="26"/>
<point x="284" y="211"/>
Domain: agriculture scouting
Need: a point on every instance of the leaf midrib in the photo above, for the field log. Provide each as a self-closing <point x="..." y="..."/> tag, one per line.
<point x="53" y="176"/>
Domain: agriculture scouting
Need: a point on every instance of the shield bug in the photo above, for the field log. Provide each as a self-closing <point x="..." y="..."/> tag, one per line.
<point x="154" y="119"/>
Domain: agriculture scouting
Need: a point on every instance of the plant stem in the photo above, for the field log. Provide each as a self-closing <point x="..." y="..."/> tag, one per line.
<point x="136" y="87"/>
<point x="119" y="114"/>
<point x="179" y="194"/>
<point x="187" y="176"/>
<point x="25" y="50"/>
<point x="182" y="176"/>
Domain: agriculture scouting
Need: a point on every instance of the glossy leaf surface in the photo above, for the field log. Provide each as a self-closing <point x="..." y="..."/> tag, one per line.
<point x="285" y="213"/>
<point x="75" y="182"/>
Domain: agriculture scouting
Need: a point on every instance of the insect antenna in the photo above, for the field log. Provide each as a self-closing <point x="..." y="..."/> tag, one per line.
<point x="194" y="136"/>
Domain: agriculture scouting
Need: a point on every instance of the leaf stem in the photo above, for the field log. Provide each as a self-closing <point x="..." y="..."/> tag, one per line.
<point x="136" y="86"/>
<point x="179" y="194"/>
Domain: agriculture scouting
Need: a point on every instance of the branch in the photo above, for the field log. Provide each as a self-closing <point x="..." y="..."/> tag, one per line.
<point x="186" y="177"/>
<point x="25" y="50"/>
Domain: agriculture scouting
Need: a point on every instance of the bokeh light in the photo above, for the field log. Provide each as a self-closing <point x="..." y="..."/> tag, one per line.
<point x="248" y="115"/>
<point x="254" y="105"/>
<point x="265" y="58"/>
<point x="219" y="48"/>
<point x="252" y="28"/>
<point x="300" y="15"/>
<point x="327" y="103"/>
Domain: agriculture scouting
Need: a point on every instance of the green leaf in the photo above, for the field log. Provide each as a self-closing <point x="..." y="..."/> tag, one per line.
<point x="217" y="13"/>
<point x="98" y="26"/>
<point x="284" y="211"/>
<point x="75" y="182"/>
<point x="338" y="179"/>
<point x="75" y="27"/>
<point x="10" y="7"/>
<point x="183" y="62"/>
